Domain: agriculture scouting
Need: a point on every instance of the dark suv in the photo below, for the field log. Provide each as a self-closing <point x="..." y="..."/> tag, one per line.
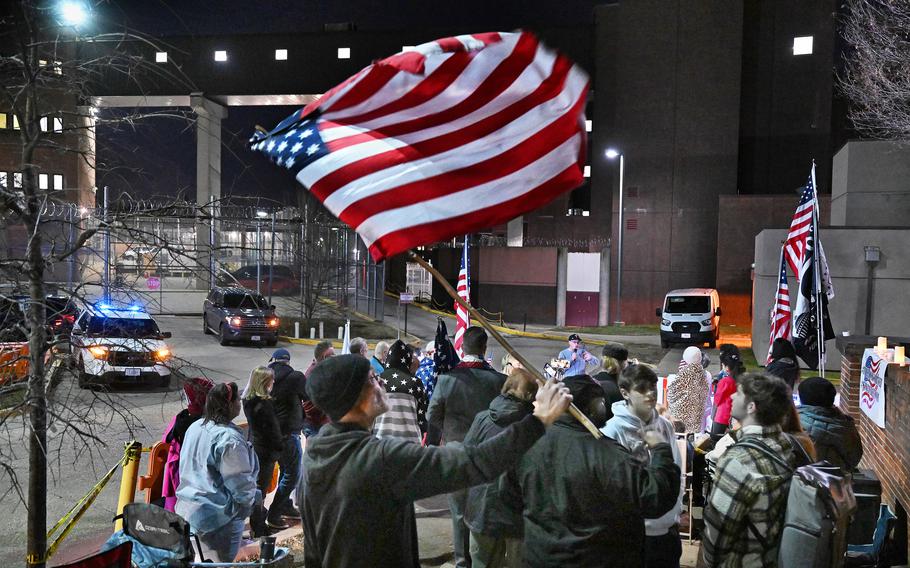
<point x="239" y="314"/>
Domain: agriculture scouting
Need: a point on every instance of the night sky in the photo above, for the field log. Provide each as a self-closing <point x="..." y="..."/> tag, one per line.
<point x="156" y="156"/>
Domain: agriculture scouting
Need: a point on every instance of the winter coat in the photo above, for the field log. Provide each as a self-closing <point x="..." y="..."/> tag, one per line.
<point x="485" y="512"/>
<point x="723" y="399"/>
<point x="288" y="392"/>
<point x="218" y="470"/>
<point x="608" y="382"/>
<point x="173" y="436"/>
<point x="834" y="434"/>
<point x="406" y="417"/>
<point x="358" y="490"/>
<point x="627" y="429"/>
<point x="460" y="395"/>
<point x="585" y="499"/>
<point x="264" y="427"/>
<point x="786" y="369"/>
<point x="688" y="397"/>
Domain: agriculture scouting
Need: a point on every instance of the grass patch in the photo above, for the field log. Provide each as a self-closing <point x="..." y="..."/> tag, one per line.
<point x="648" y="329"/>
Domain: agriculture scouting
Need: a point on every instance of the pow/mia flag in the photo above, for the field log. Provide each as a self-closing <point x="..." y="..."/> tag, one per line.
<point x="805" y="318"/>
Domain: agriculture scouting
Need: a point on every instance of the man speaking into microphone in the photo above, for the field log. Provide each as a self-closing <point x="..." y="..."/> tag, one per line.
<point x="578" y="357"/>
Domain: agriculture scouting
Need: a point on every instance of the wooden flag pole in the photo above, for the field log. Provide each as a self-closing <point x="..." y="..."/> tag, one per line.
<point x="573" y="410"/>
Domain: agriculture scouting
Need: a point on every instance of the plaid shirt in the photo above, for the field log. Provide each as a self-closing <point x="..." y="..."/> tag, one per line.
<point x="749" y="488"/>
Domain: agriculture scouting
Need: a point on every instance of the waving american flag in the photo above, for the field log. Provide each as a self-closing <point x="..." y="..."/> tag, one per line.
<point x="457" y="135"/>
<point x="781" y="313"/>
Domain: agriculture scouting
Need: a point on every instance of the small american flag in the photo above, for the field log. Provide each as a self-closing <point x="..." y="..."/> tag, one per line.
<point x="462" y="319"/>
<point x="780" y="315"/>
<point x="454" y="136"/>
<point x="800" y="226"/>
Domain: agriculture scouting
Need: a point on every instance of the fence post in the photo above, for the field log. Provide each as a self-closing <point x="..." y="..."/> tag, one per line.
<point x="128" y="479"/>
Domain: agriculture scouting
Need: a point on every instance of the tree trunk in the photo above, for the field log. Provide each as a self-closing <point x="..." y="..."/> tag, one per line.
<point x="37" y="406"/>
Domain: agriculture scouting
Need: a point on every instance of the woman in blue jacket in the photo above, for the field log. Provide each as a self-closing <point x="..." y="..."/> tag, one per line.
<point x="218" y="470"/>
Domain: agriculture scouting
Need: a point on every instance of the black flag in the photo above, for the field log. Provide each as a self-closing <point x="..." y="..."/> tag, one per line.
<point x="445" y="356"/>
<point x="805" y="322"/>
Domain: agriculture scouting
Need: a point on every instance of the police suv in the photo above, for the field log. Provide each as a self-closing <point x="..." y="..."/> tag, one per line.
<point x="119" y="344"/>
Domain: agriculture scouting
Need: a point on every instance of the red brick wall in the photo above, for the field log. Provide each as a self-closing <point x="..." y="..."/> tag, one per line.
<point x="885" y="451"/>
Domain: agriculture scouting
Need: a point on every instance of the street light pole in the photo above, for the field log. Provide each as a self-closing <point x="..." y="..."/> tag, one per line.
<point x="622" y="163"/>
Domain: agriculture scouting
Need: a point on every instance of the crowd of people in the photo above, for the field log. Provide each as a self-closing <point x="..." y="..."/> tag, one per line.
<point x="527" y="484"/>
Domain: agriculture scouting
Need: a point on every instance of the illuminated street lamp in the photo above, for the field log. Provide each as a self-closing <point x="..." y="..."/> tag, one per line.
<point x="73" y="13"/>
<point x="612" y="154"/>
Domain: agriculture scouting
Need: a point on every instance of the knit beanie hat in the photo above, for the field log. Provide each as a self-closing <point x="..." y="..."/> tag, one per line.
<point x="334" y="385"/>
<point x="583" y="389"/>
<point x="617" y="351"/>
<point x="692" y="355"/>
<point x="817" y="391"/>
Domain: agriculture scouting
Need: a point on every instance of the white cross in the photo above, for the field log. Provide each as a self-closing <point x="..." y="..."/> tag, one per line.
<point x="312" y="149"/>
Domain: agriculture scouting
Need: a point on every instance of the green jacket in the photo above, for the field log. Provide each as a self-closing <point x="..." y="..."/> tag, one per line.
<point x="834" y="434"/>
<point x="585" y="499"/>
<point x="358" y="490"/>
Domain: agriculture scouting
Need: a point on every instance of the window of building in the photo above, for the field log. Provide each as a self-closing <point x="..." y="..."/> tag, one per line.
<point x="58" y="124"/>
<point x="160" y="57"/>
<point x="344" y="53"/>
<point x="17" y="180"/>
<point x="589" y="125"/>
<point x="281" y="55"/>
<point x="58" y="67"/>
<point x="43" y="122"/>
<point x="42" y="181"/>
<point x="3" y="119"/>
<point x="15" y="122"/>
<point x="2" y="180"/>
<point x="221" y="55"/>
<point x="587" y="171"/>
<point x="58" y="182"/>
<point x="802" y="45"/>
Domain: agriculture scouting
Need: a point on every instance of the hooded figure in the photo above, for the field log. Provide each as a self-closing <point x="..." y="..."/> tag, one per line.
<point x="195" y="391"/>
<point x="631" y="417"/>
<point x="406" y="418"/>
<point x="834" y="433"/>
<point x="783" y="362"/>
<point x="688" y="394"/>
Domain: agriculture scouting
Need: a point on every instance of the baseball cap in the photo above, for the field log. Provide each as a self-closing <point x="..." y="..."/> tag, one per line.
<point x="574" y="337"/>
<point x="281" y="355"/>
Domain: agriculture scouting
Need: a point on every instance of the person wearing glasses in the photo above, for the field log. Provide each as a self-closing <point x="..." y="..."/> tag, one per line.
<point x="218" y="471"/>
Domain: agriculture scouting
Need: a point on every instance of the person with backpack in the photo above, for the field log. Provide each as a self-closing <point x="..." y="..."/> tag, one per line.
<point x="744" y="516"/>
<point x="836" y="437"/>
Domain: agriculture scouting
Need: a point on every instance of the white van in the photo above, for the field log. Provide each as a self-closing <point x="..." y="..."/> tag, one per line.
<point x="690" y="316"/>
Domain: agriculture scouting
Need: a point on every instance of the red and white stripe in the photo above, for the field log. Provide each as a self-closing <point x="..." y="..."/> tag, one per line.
<point x="795" y="246"/>
<point x="781" y="314"/>
<point x="462" y="318"/>
<point x="455" y="136"/>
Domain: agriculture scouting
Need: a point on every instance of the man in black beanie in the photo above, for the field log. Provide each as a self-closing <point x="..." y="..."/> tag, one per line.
<point x="834" y="433"/>
<point x="358" y="490"/>
<point x="585" y="499"/>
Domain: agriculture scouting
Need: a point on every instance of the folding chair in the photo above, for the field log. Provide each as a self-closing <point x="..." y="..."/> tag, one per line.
<point x="118" y="557"/>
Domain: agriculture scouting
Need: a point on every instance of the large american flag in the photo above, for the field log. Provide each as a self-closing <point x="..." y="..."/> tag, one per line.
<point x="800" y="226"/>
<point x="780" y="314"/>
<point x="462" y="319"/>
<point x="457" y="135"/>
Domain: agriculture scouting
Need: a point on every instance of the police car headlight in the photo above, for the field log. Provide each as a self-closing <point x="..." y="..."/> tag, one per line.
<point x="99" y="352"/>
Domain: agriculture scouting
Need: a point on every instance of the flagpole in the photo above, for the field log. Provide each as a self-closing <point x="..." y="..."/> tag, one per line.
<point x="819" y="311"/>
<point x="573" y="410"/>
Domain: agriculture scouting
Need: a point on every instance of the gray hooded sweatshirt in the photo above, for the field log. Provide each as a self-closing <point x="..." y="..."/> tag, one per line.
<point x="627" y="429"/>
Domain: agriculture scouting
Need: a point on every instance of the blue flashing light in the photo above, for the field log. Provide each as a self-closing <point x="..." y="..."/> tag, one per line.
<point x="135" y="308"/>
<point x="104" y="306"/>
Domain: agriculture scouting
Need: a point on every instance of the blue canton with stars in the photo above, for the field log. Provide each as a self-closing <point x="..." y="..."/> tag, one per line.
<point x="293" y="144"/>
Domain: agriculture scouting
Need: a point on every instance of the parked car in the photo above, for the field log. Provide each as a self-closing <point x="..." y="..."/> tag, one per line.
<point x="119" y="344"/>
<point x="59" y="314"/>
<point x="690" y="316"/>
<point x="239" y="314"/>
<point x="284" y="280"/>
